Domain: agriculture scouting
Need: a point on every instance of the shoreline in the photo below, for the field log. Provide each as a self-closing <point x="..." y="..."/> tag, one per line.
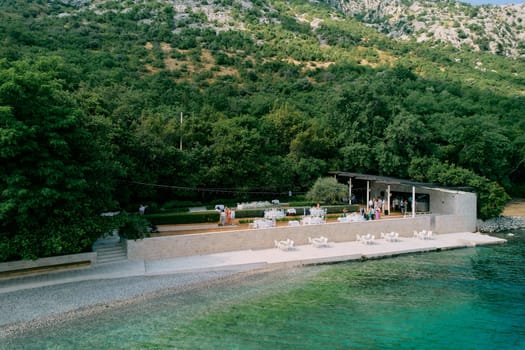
<point x="59" y="299"/>
<point x="43" y="303"/>
<point x="502" y="223"/>
<point x="201" y="280"/>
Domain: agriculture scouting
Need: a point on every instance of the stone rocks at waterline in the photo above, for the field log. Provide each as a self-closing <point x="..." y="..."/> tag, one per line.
<point x="502" y="223"/>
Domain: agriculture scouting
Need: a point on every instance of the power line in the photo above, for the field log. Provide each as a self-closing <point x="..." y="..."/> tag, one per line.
<point x="200" y="189"/>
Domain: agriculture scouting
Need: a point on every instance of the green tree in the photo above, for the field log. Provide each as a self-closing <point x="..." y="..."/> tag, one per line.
<point x="406" y="137"/>
<point x="282" y="125"/>
<point x="237" y="153"/>
<point x="55" y="178"/>
<point x="327" y="190"/>
<point x="480" y="144"/>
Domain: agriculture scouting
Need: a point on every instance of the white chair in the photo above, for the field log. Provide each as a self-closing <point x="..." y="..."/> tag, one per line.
<point x="392" y="236"/>
<point x="395" y="236"/>
<point x="367" y="239"/>
<point x="285" y="245"/>
<point x="318" y="242"/>
<point x="323" y="240"/>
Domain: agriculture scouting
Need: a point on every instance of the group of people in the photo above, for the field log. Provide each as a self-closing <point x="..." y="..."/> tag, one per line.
<point x="373" y="210"/>
<point x="227" y="216"/>
<point x="371" y="213"/>
<point x="400" y="204"/>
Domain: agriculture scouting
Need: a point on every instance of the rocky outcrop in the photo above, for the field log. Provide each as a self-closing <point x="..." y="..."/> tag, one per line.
<point x="502" y="223"/>
<point x="496" y="29"/>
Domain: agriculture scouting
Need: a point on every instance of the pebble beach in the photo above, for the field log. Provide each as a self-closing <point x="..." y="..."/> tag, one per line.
<point x="47" y="305"/>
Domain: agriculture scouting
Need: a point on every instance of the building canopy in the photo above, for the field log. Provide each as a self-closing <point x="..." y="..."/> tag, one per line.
<point x="394" y="181"/>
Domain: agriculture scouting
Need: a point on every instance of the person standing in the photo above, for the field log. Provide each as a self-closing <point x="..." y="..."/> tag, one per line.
<point x="232" y="216"/>
<point x="396" y="204"/>
<point x="223" y="218"/>
<point x="228" y="216"/>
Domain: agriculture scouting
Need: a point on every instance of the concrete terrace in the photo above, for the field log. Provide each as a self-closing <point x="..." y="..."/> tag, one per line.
<point x="309" y="255"/>
<point x="252" y="259"/>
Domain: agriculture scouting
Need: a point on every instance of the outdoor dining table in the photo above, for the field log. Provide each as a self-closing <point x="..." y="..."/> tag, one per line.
<point x="312" y="220"/>
<point x="274" y="214"/>
<point x="317" y="212"/>
<point x="263" y="223"/>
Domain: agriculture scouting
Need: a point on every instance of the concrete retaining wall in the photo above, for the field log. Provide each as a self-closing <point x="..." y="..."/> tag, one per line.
<point x="48" y="262"/>
<point x="454" y="223"/>
<point x="224" y="241"/>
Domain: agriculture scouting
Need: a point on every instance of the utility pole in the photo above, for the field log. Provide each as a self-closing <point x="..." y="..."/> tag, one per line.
<point x="180" y="146"/>
<point x="350" y="190"/>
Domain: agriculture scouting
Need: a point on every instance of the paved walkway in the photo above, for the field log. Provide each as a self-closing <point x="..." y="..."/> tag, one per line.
<point x="250" y="260"/>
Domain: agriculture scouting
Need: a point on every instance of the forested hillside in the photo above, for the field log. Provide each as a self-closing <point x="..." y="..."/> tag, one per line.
<point x="273" y="95"/>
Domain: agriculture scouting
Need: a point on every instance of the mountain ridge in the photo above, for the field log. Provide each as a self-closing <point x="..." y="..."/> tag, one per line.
<point x="484" y="28"/>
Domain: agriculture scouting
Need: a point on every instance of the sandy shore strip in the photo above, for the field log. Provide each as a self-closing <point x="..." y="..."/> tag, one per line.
<point x="37" y="301"/>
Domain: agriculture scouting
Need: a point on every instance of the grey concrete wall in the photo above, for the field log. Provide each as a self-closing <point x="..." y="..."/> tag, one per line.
<point x="441" y="202"/>
<point x="454" y="223"/>
<point x="51" y="261"/>
<point x="224" y="241"/>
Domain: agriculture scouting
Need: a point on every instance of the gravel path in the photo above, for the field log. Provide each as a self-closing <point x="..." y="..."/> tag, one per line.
<point x="41" y="306"/>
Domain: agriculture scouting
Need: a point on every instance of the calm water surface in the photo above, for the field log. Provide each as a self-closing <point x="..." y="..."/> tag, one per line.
<point x="461" y="299"/>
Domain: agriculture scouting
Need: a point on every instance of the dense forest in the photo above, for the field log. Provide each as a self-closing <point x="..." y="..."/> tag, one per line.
<point x="105" y="105"/>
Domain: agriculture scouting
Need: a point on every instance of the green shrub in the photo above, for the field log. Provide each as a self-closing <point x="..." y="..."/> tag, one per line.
<point x="327" y="190"/>
<point x="249" y="213"/>
<point x="133" y="226"/>
<point x="301" y="204"/>
<point x="183" y="218"/>
<point x="334" y="209"/>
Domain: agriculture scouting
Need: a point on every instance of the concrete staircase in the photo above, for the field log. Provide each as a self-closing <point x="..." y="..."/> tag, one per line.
<point x="110" y="251"/>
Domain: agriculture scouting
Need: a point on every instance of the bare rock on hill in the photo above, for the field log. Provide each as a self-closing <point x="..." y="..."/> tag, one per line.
<point x="496" y="29"/>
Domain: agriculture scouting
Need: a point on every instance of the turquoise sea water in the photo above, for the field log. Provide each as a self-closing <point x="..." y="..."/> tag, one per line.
<point x="460" y="299"/>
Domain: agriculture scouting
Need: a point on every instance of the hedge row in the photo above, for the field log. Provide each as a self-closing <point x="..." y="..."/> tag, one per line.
<point x="183" y="218"/>
<point x="249" y="213"/>
<point x="174" y="218"/>
<point x="339" y="208"/>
